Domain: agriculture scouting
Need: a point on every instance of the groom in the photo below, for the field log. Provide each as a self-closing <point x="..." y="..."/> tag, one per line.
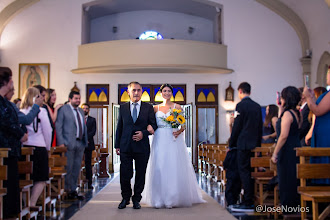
<point x="132" y="143"/>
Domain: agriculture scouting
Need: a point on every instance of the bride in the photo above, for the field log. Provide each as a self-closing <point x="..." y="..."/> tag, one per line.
<point x="170" y="178"/>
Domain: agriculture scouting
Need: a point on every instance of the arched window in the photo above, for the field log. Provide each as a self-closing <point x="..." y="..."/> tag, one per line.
<point x="150" y="35"/>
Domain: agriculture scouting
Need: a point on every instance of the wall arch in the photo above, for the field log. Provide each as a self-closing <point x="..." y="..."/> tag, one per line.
<point x="12" y="10"/>
<point x="322" y="69"/>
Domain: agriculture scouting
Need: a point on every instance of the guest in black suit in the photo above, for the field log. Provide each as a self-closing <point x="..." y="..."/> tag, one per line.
<point x="91" y="130"/>
<point x="304" y="109"/>
<point x="132" y="143"/>
<point x="246" y="135"/>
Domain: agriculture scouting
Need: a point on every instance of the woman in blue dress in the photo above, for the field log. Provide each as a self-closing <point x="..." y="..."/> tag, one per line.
<point x="320" y="137"/>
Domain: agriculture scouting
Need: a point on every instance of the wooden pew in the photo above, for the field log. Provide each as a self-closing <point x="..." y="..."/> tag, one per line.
<point x="261" y="159"/>
<point x="25" y="169"/>
<point x="3" y="176"/>
<point x="46" y="195"/>
<point x="58" y="172"/>
<point x="273" y="167"/>
<point x="202" y="151"/>
<point x="305" y="171"/>
<point x="220" y="152"/>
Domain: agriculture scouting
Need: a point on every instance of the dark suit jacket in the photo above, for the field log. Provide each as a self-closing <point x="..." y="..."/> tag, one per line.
<point x="305" y="125"/>
<point x="91" y="130"/>
<point x="126" y="128"/>
<point x="247" y="129"/>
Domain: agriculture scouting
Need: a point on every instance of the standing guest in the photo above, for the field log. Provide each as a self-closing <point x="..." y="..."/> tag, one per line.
<point x="91" y="130"/>
<point x="11" y="136"/>
<point x="132" y="143"/>
<point x="42" y="91"/>
<point x="17" y="102"/>
<point x="246" y="135"/>
<point x="318" y="91"/>
<point x="72" y="133"/>
<point x="321" y="137"/>
<point x="39" y="132"/>
<point x="269" y="128"/>
<point x="304" y="109"/>
<point x="50" y="100"/>
<point x="284" y="155"/>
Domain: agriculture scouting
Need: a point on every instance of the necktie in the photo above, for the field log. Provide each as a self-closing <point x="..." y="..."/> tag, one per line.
<point x="79" y="125"/>
<point x="134" y="112"/>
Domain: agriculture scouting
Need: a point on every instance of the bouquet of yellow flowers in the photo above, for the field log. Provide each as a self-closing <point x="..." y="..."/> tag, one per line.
<point x="175" y="119"/>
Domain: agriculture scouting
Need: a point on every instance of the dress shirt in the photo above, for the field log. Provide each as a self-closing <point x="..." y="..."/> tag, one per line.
<point x="138" y="106"/>
<point x="75" y="118"/>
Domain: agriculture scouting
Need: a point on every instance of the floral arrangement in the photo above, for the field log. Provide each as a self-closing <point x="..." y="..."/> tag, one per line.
<point x="175" y="119"/>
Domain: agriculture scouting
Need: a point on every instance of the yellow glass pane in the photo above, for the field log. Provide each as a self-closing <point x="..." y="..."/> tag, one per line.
<point x="124" y="97"/>
<point x="103" y="97"/>
<point x="172" y="98"/>
<point x="145" y="97"/>
<point x="201" y="97"/>
<point x="210" y="97"/>
<point x="179" y="97"/>
<point x="158" y="97"/>
<point x="93" y="97"/>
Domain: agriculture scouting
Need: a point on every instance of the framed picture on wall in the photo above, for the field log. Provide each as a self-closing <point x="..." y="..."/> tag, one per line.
<point x="31" y="74"/>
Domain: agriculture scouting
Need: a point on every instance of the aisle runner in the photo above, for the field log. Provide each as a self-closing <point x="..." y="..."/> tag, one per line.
<point x="104" y="206"/>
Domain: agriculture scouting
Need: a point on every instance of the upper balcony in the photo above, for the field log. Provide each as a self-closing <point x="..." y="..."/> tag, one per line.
<point x="152" y="56"/>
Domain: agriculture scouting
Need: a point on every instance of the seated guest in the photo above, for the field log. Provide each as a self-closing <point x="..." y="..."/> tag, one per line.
<point x="320" y="137"/>
<point x="40" y="132"/>
<point x="318" y="91"/>
<point x="284" y="155"/>
<point x="269" y="132"/>
<point x="11" y="136"/>
<point x="50" y="100"/>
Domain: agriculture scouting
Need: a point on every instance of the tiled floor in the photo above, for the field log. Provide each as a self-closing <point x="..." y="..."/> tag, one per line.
<point x="69" y="207"/>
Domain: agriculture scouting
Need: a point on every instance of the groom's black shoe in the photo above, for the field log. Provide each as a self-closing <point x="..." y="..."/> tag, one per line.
<point x="136" y="205"/>
<point x="123" y="204"/>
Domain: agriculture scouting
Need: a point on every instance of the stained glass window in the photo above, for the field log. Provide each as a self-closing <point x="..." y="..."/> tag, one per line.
<point x="207" y="94"/>
<point x="97" y="94"/>
<point x="151" y="35"/>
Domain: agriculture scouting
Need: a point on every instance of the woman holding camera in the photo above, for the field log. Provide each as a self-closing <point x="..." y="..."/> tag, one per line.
<point x="40" y="137"/>
<point x="320" y="137"/>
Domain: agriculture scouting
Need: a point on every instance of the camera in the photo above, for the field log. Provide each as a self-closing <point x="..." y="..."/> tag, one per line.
<point x="278" y="98"/>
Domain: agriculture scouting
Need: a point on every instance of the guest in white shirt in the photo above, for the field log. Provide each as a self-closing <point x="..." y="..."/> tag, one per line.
<point x="40" y="136"/>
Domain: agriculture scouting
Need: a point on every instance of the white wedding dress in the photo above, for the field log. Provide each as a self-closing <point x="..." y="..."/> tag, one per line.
<point x="170" y="178"/>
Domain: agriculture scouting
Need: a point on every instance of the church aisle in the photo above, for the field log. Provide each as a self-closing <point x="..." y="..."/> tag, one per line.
<point x="104" y="206"/>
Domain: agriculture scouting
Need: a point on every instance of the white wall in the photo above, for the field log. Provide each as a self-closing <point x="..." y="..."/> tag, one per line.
<point x="316" y="16"/>
<point x="262" y="49"/>
<point x="169" y="24"/>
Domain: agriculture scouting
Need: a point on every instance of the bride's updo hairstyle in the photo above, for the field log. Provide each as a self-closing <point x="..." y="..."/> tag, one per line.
<point x="166" y="85"/>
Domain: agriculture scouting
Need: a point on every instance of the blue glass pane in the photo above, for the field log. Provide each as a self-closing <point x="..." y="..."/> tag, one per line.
<point x="122" y="90"/>
<point x="98" y="91"/>
<point x="146" y="89"/>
